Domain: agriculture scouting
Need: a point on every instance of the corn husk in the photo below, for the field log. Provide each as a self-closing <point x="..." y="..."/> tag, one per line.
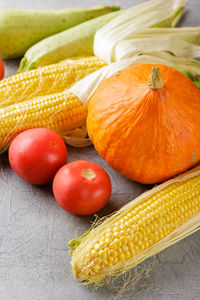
<point x="178" y="41"/>
<point x="85" y="88"/>
<point x="159" y="13"/>
<point x="77" y="138"/>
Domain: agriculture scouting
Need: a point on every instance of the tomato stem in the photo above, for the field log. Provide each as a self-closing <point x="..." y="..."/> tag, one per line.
<point x="88" y="174"/>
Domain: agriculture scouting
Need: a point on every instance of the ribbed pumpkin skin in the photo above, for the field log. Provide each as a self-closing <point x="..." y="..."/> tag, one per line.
<point x="147" y="135"/>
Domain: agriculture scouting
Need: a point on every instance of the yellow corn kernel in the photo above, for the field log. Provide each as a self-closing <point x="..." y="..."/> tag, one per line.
<point x="59" y="112"/>
<point x="168" y="212"/>
<point x="102" y="254"/>
<point x="47" y="80"/>
<point x="96" y="268"/>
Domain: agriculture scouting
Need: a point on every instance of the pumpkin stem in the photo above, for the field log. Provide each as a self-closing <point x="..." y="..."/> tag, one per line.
<point x="155" y="80"/>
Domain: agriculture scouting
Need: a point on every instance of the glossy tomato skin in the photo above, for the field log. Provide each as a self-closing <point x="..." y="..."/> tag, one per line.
<point x="1" y="69"/>
<point x="37" y="154"/>
<point x="82" y="187"/>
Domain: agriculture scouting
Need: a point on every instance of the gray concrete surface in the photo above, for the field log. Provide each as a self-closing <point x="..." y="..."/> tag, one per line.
<point x="34" y="230"/>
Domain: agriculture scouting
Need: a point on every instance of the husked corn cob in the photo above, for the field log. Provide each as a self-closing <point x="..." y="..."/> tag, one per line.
<point x="60" y="112"/>
<point x="47" y="80"/>
<point x="142" y="228"/>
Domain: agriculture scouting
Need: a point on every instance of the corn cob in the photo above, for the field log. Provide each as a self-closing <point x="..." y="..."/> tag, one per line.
<point x="142" y="228"/>
<point x="46" y="80"/>
<point x="60" y="112"/>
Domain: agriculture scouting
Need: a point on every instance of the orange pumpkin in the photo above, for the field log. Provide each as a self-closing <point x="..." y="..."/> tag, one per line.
<point x="145" y="122"/>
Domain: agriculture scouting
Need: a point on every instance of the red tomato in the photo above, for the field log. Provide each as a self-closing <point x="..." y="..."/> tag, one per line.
<point x="82" y="187"/>
<point x="37" y="154"/>
<point x="1" y="69"/>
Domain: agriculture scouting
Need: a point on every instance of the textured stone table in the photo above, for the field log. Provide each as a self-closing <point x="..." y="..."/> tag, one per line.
<point x="34" y="230"/>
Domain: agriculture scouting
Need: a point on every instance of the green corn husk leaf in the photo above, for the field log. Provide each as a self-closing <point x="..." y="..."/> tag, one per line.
<point x="197" y="83"/>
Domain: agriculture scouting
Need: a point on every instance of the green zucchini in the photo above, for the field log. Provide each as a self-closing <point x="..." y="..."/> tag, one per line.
<point x="76" y="41"/>
<point x="22" y="28"/>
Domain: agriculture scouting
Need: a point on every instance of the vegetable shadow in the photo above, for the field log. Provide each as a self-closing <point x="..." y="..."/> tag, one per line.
<point x="183" y="19"/>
